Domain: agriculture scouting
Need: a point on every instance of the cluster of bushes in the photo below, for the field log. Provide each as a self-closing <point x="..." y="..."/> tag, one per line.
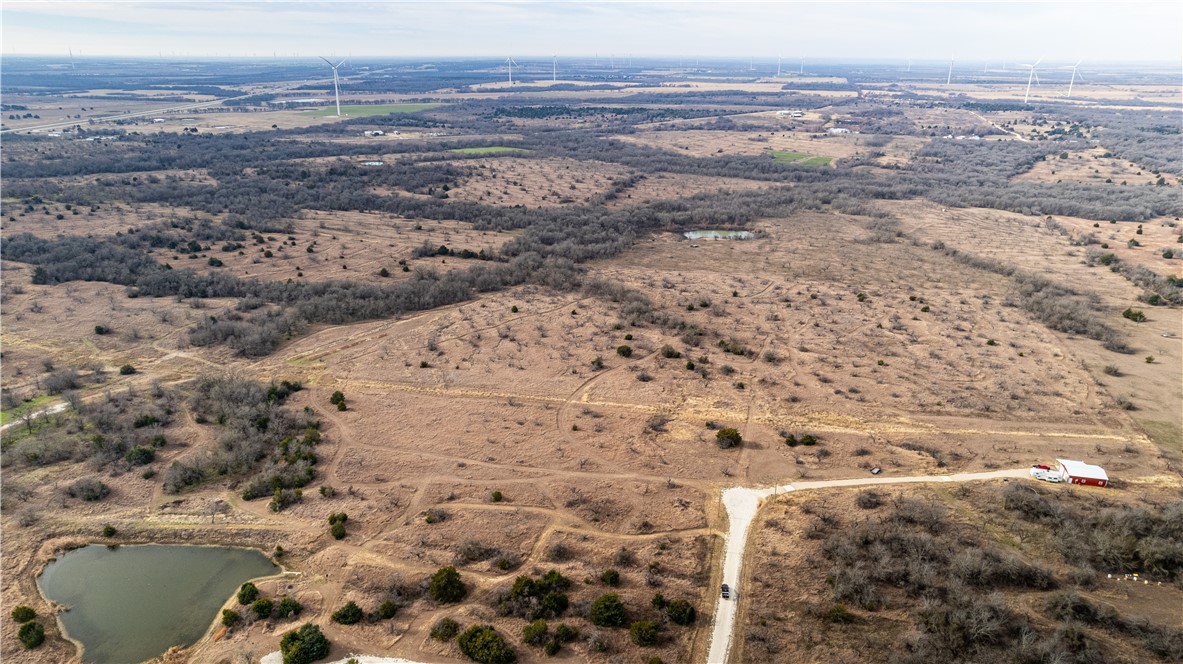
<point x="122" y="429"/>
<point x="1108" y="536"/>
<point x="538" y="634"/>
<point x="31" y="633"/>
<point x="261" y="607"/>
<point x="913" y="557"/>
<point x="255" y="429"/>
<point x="337" y="524"/>
<point x="532" y="599"/>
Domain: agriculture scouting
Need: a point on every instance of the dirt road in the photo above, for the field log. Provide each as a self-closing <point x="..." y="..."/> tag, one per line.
<point x="742" y="503"/>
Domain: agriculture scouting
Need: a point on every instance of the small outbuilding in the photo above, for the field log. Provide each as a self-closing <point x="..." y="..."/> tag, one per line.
<point x="1079" y="472"/>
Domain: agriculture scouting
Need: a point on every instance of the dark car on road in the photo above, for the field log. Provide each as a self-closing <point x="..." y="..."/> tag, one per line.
<point x="726" y="591"/>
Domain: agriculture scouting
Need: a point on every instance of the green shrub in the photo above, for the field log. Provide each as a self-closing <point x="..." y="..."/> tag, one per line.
<point x="670" y="353"/>
<point x="101" y="330"/>
<point x="643" y="633"/>
<point x="349" y="614"/>
<point x="445" y="629"/>
<point x="139" y="455"/>
<point x="337" y="530"/>
<point x="536" y="633"/>
<point x="482" y="643"/>
<point x="681" y="612"/>
<point x="230" y="618"/>
<point x="109" y="531"/>
<point x="624" y="351"/>
<point x="446" y="586"/>
<point x="728" y="438"/>
<point x="608" y="611"/>
<point x="839" y="614"/>
<point x="497" y="496"/>
<point x="552" y="647"/>
<point x="387" y="610"/>
<point x="31" y="635"/>
<point x="304" y="646"/>
<point x="262" y="608"/>
<point x="247" y="593"/>
<point x="566" y="633"/>
<point x="126" y="370"/>
<point x="288" y="607"/>
<point x="337" y="397"/>
<point x="610" y="577"/>
<point x="1134" y="315"/>
<point x="23" y="614"/>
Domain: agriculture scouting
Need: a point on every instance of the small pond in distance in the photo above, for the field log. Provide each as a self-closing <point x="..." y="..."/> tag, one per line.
<point x="717" y="235"/>
<point x="132" y="603"/>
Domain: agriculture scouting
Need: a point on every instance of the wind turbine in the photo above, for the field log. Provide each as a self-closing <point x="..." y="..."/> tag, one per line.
<point x="1069" y="95"/>
<point x="554" y="68"/>
<point x="511" y="62"/>
<point x="336" y="83"/>
<point x="801" y="71"/>
<point x="1031" y="76"/>
<point x="72" y="62"/>
<point x="949" y="78"/>
<point x="778" y="59"/>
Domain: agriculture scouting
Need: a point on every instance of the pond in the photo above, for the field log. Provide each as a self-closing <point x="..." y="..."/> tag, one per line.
<point x="717" y="235"/>
<point x="132" y="603"/>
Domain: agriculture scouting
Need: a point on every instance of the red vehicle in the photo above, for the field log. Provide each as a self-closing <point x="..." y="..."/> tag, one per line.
<point x="1042" y="466"/>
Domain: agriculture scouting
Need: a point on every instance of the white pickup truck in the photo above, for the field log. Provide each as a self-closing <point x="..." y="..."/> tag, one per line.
<point x="1046" y="474"/>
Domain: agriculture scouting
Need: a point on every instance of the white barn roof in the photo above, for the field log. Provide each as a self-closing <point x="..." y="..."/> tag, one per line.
<point x="1082" y="469"/>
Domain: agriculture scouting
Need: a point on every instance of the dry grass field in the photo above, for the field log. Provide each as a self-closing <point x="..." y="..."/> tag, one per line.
<point x="702" y="143"/>
<point x="524" y="428"/>
<point x="1089" y="166"/>
<point x="1029" y="244"/>
<point x="509" y="181"/>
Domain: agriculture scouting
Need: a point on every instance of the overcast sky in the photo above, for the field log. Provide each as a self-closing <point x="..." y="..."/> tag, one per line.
<point x="1011" y="31"/>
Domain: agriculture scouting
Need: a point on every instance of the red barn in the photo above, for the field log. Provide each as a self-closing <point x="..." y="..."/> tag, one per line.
<point x="1079" y="472"/>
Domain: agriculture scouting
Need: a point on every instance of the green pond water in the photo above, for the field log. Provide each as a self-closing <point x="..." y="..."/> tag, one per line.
<point x="717" y="235"/>
<point x="132" y="603"/>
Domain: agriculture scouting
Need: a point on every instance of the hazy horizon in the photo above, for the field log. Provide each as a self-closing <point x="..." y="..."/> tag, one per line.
<point x="850" y="32"/>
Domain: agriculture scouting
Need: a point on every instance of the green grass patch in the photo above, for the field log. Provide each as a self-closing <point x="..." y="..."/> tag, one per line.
<point x="497" y="149"/>
<point x="7" y="416"/>
<point x="361" y="111"/>
<point x="816" y="161"/>
<point x="788" y="157"/>
<point x="799" y="158"/>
